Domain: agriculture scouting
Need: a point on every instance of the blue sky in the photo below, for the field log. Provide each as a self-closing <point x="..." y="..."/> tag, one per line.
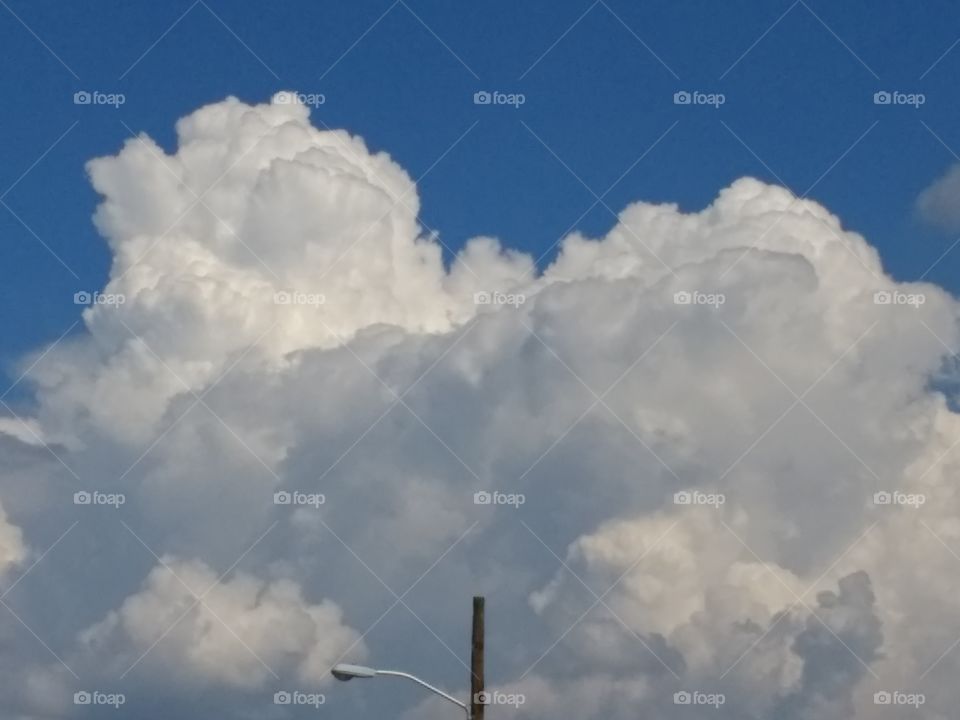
<point x="599" y="78"/>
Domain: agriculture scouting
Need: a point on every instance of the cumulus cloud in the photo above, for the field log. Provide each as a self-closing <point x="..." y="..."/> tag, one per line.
<point x="938" y="202"/>
<point x="825" y="688"/>
<point x="287" y="325"/>
<point x="804" y="663"/>
<point x="237" y="632"/>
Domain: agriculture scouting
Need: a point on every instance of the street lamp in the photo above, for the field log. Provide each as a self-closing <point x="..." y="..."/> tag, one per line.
<point x="345" y="671"/>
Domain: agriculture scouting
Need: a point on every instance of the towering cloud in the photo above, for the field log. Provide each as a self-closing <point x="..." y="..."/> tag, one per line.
<point x="701" y="454"/>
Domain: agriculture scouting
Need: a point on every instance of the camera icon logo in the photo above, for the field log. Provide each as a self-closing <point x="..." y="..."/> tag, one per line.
<point x="81" y="298"/>
<point x="882" y="698"/>
<point x="682" y="298"/>
<point x="681" y="698"/>
<point x="882" y="297"/>
<point x="82" y="498"/>
<point x="482" y="97"/>
<point x="282" y="697"/>
<point x="482" y="698"/>
<point x="82" y="698"/>
<point x="481" y="298"/>
<point x="282" y="497"/>
<point x="684" y="497"/>
<point x="882" y="498"/>
<point x="882" y="98"/>
<point x="82" y="98"/>
<point x="282" y="298"/>
<point x="682" y="98"/>
<point x="482" y="498"/>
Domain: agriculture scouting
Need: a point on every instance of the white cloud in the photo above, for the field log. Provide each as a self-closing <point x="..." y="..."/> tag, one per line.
<point x="938" y="202"/>
<point x="12" y="548"/>
<point x="25" y="431"/>
<point x="694" y="397"/>
<point x="238" y="632"/>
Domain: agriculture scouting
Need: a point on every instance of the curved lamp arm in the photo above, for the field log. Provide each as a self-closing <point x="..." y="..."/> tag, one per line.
<point x="427" y="685"/>
<point x="346" y="671"/>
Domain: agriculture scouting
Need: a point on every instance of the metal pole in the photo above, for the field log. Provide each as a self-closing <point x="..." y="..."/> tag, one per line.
<point x="476" y="661"/>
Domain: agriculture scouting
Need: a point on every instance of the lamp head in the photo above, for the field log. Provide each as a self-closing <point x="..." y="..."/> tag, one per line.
<point x="345" y="671"/>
